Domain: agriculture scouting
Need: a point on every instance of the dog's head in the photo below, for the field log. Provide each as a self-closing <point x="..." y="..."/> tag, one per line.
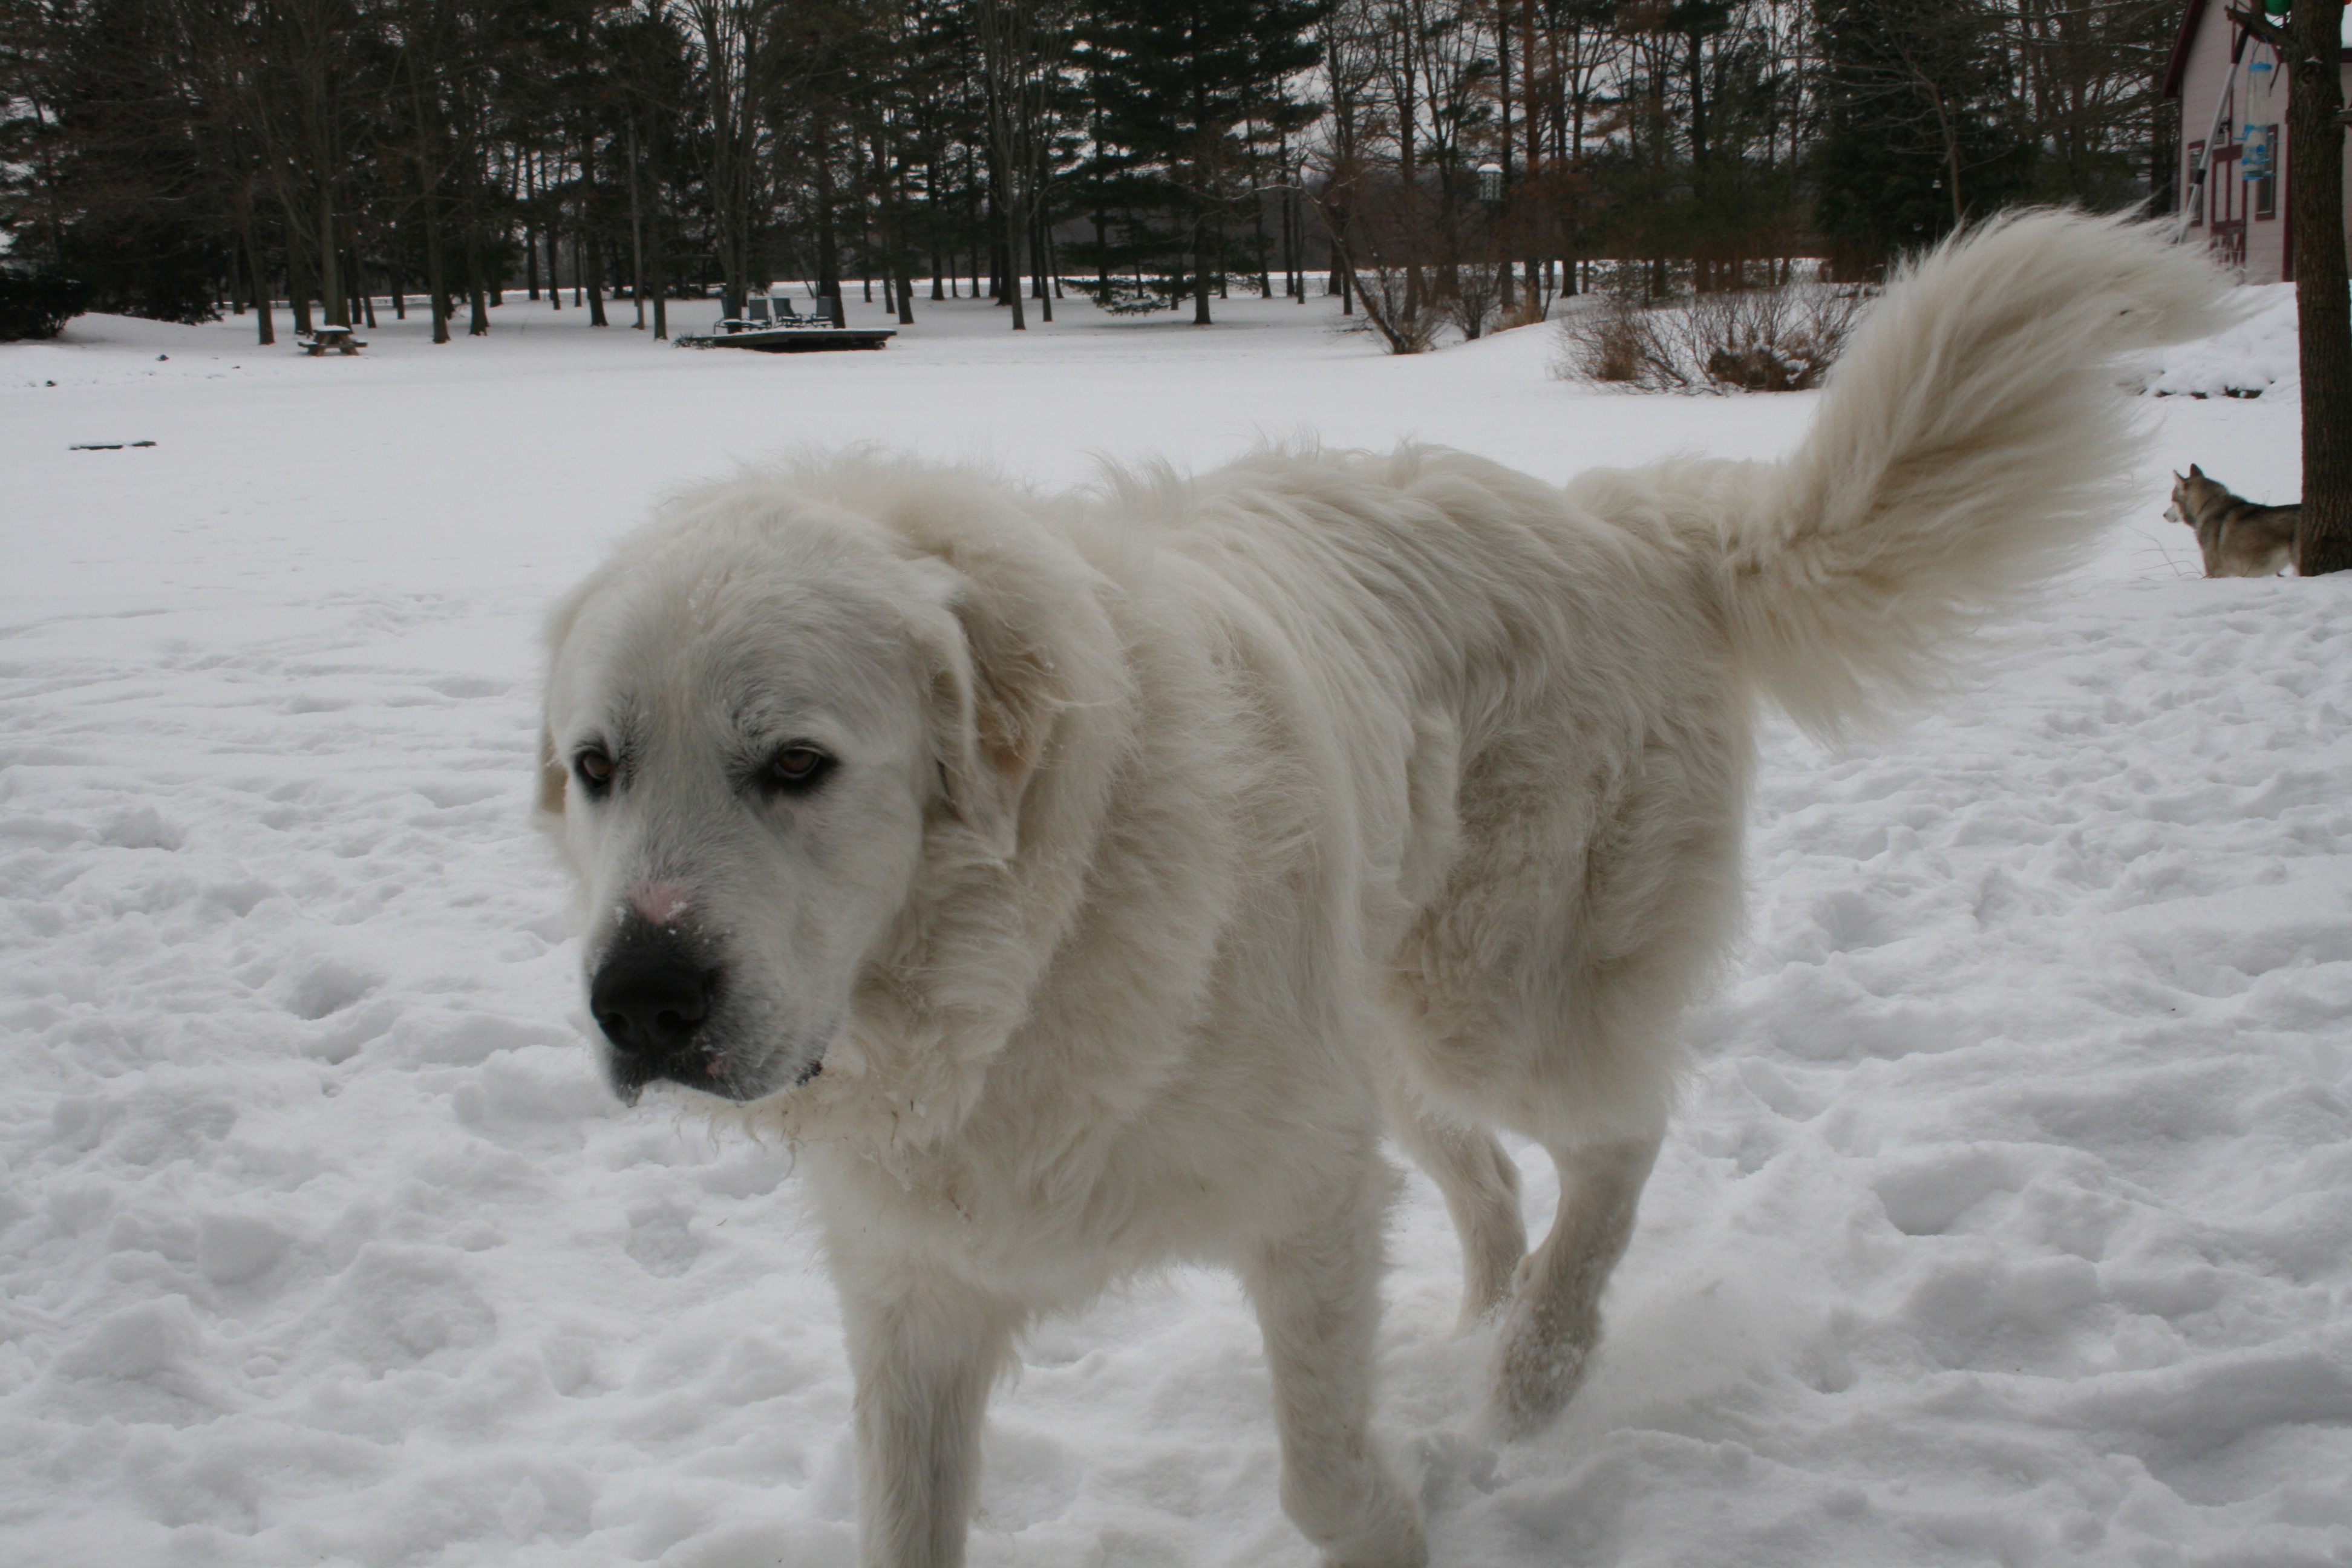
<point x="2188" y="492"/>
<point x="763" y="715"/>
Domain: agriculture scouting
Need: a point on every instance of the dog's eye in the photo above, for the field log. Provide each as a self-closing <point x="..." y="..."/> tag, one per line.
<point x="594" y="766"/>
<point x="796" y="770"/>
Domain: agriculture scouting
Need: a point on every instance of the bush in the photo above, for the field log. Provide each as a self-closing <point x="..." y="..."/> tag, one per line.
<point x="1475" y="297"/>
<point x="35" y="304"/>
<point x="1758" y="340"/>
<point x="1383" y="293"/>
<point x="1772" y="340"/>
<point x="1613" y="338"/>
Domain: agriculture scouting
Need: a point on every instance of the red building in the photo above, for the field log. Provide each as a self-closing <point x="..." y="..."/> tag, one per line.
<point x="2232" y="90"/>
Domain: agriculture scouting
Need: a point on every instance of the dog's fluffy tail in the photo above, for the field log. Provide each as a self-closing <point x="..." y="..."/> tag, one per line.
<point x="1970" y="443"/>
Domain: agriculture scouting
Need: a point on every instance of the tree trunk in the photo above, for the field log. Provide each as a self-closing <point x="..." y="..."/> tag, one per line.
<point x="828" y="238"/>
<point x="330" y="283"/>
<point x="297" y="282"/>
<point x="2315" y="178"/>
<point x="1201" y="274"/>
<point x="660" y="274"/>
<point x="1510" y="300"/>
<point x="1012" y="238"/>
<point x="1409" y="192"/>
<point x="1040" y="265"/>
<point x="266" y="327"/>
<point x="555" y="258"/>
<point x="591" y="261"/>
<point x="434" y="284"/>
<point x="477" y="307"/>
<point x="636" y="233"/>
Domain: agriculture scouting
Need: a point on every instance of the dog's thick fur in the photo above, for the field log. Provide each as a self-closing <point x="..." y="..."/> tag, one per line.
<point x="1086" y="882"/>
<point x="2238" y="538"/>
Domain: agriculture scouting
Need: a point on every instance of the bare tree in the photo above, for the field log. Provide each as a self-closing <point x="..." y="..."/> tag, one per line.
<point x="1014" y="60"/>
<point x="738" y="57"/>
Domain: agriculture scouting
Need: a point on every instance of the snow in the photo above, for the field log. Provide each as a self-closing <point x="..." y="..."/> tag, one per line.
<point x="2245" y="361"/>
<point x="2004" y="1220"/>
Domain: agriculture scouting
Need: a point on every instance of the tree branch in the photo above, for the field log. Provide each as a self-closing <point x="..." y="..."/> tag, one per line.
<point x="2263" y="28"/>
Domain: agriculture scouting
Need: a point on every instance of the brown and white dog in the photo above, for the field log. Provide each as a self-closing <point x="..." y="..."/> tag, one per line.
<point x="2239" y="537"/>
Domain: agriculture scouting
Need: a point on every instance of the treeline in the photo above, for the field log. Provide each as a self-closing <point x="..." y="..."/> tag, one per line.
<point x="1431" y="160"/>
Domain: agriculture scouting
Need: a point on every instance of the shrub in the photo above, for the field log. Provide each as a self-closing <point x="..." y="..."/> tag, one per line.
<point x="1613" y="338"/>
<point x="1771" y="340"/>
<point x="1782" y="339"/>
<point x="35" y="304"/>
<point x="1474" y="297"/>
<point x="1406" y="313"/>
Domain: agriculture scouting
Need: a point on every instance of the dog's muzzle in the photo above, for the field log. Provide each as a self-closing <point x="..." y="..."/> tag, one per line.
<point x="651" y="996"/>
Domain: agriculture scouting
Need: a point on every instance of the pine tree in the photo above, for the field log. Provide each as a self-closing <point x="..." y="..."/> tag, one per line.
<point x="1915" y="140"/>
<point x="1188" y="94"/>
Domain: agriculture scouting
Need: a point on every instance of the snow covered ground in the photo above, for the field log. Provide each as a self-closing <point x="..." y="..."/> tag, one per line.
<point x="2006" y="1221"/>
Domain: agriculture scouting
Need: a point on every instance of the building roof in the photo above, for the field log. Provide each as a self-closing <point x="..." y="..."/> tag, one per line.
<point x="2175" y="68"/>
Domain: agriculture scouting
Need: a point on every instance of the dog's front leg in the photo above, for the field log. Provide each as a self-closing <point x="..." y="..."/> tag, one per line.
<point x="925" y="1350"/>
<point x="1318" y="1296"/>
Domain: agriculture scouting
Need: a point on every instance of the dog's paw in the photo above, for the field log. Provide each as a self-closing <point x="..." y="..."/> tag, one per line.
<point x="1381" y="1526"/>
<point x="1404" y="1548"/>
<point x="1543" y="1347"/>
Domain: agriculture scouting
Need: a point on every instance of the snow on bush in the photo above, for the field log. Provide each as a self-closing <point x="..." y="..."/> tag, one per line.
<point x="2246" y="361"/>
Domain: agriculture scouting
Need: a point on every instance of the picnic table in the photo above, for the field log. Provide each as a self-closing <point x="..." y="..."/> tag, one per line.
<point x="340" y="339"/>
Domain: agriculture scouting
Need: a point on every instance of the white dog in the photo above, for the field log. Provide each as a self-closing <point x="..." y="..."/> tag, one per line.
<point x="1088" y="882"/>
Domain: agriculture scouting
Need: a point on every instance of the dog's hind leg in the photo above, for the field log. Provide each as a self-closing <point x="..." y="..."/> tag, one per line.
<point x="1553" y="1323"/>
<point x="1317" y="1291"/>
<point x="925" y="1351"/>
<point x="1481" y="1186"/>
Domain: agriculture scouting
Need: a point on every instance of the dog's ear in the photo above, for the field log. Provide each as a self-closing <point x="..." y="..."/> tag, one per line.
<point x="554" y="776"/>
<point x="993" y="696"/>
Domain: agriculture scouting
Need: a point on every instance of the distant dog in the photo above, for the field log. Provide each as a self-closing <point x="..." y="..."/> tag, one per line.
<point x="2238" y="537"/>
<point x="1084" y="882"/>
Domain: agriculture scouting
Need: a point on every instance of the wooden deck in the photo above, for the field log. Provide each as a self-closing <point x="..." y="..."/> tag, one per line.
<point x="794" y="339"/>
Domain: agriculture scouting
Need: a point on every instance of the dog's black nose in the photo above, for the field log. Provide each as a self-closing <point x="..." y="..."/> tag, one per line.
<point x="649" y="1001"/>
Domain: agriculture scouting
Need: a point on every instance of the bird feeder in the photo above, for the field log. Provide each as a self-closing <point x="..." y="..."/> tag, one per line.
<point x="1490" y="182"/>
<point x="2254" y="159"/>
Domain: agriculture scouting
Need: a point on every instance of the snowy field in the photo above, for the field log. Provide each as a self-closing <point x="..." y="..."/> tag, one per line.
<point x="2006" y="1220"/>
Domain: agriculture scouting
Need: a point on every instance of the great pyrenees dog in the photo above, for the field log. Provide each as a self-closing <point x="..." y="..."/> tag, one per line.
<point x="1086" y="882"/>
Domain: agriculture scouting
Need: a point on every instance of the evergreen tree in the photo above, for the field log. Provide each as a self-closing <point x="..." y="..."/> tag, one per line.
<point x="1915" y="138"/>
<point x="1188" y="94"/>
